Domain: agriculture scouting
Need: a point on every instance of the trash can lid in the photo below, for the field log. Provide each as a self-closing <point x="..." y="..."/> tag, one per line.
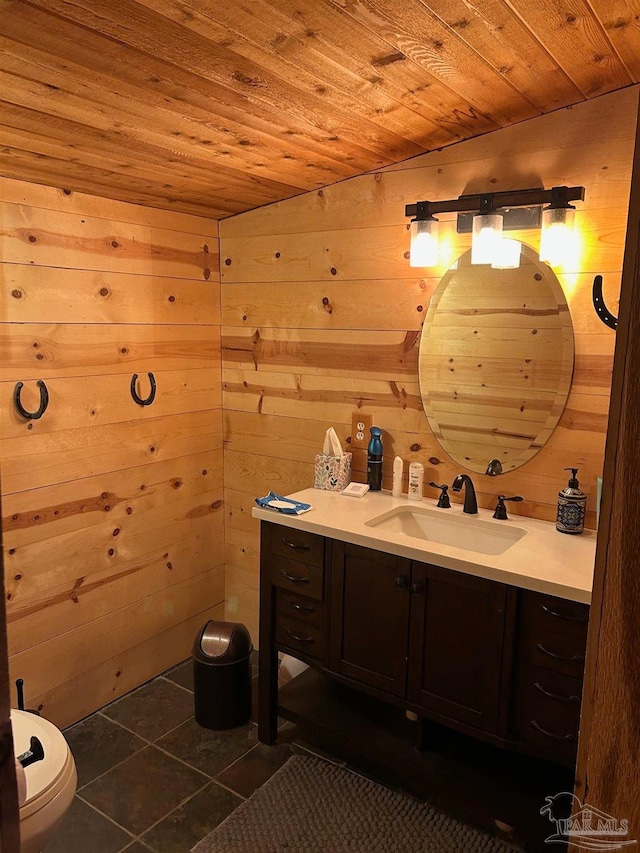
<point x="223" y="642"/>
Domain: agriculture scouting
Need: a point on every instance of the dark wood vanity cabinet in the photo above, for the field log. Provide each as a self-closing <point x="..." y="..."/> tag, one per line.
<point x="489" y="659"/>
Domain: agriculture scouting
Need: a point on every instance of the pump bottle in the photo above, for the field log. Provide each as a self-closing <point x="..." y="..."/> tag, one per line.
<point x="374" y="460"/>
<point x="572" y="504"/>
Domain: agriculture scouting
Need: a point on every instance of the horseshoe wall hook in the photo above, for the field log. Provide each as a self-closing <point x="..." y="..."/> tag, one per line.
<point x="44" y="401"/>
<point x="598" y="303"/>
<point x="152" y="394"/>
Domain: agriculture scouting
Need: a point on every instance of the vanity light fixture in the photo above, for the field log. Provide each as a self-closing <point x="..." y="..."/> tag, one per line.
<point x="488" y="214"/>
<point x="424" y="237"/>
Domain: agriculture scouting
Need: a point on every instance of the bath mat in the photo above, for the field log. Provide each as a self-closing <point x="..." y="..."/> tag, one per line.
<point x="314" y="806"/>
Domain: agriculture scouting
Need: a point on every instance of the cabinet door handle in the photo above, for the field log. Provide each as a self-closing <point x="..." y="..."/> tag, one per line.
<point x="305" y="608"/>
<point x="558" y="698"/>
<point x="401" y="583"/>
<point x="417" y="588"/>
<point x="555" y="656"/>
<point x="571" y="738"/>
<point x="299" y="638"/>
<point x="297" y="546"/>
<point x="566" y="616"/>
<point x="292" y="578"/>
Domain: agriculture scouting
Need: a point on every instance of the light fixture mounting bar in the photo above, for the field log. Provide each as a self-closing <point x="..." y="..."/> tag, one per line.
<point x="511" y="198"/>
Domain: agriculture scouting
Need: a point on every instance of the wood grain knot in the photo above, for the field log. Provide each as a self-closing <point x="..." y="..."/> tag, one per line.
<point x="169" y="565"/>
<point x="406" y="256"/>
<point x="104" y="291"/>
<point x="17" y="294"/>
<point x="172" y="298"/>
<point x="334" y="271"/>
<point x="116" y="531"/>
<point x="433" y="460"/>
<point x="277" y="254"/>
<point x="111" y="552"/>
<point x="206" y="273"/>
<point x="538" y="276"/>
<point x="123" y="350"/>
<point x="115" y="244"/>
<point x="227" y="262"/>
<point x="32" y="238"/>
<point x="204" y="472"/>
<point x="129" y="510"/>
<point x="206" y="249"/>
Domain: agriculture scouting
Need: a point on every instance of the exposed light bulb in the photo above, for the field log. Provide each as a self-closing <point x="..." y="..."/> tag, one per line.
<point x="508" y="255"/>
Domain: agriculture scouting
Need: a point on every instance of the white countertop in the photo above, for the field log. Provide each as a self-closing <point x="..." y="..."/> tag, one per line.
<point x="544" y="560"/>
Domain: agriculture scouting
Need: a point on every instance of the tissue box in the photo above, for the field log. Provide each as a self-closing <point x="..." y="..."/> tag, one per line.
<point x="332" y="473"/>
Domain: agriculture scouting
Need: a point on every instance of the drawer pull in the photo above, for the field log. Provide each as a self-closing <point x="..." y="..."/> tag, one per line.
<point x="566" y="616"/>
<point x="556" y="656"/>
<point x="572" y="698"/>
<point x="292" y="578"/>
<point x="297" y="546"/>
<point x="538" y="727"/>
<point x="299" y="638"/>
<point x="401" y="583"/>
<point x="305" y="608"/>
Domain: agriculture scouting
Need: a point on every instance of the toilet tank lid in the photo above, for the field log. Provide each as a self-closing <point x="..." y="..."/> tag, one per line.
<point x="43" y="774"/>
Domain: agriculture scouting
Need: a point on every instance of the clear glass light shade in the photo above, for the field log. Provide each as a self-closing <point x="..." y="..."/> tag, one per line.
<point x="486" y="238"/>
<point x="424" y="243"/>
<point x="557" y="234"/>
<point x="508" y="255"/>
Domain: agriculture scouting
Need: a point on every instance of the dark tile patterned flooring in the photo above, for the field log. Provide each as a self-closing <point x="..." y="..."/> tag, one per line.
<point x="151" y="779"/>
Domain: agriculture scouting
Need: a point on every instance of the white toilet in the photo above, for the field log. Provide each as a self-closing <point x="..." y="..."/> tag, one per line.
<point x="50" y="783"/>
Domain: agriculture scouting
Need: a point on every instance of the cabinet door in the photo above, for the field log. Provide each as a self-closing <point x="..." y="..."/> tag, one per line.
<point x="370" y="617"/>
<point x="455" y="658"/>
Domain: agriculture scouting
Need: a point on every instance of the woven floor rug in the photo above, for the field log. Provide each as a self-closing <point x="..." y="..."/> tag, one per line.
<point x="312" y="805"/>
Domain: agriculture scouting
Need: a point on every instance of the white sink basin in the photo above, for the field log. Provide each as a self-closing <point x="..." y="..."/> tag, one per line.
<point x="433" y="525"/>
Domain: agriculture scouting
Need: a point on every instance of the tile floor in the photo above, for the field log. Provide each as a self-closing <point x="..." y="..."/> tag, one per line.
<point x="151" y="779"/>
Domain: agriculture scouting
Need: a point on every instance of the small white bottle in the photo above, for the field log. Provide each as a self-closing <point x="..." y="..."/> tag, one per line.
<point x="398" y="468"/>
<point x="416" y="476"/>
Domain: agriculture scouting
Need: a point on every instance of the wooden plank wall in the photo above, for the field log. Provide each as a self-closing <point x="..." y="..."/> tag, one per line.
<point x="112" y="513"/>
<point x="322" y="314"/>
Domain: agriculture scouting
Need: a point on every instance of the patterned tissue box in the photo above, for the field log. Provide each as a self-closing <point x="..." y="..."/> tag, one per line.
<point x="332" y="473"/>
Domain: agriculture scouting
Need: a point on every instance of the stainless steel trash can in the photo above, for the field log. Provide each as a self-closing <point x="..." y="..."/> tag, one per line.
<point x="222" y="675"/>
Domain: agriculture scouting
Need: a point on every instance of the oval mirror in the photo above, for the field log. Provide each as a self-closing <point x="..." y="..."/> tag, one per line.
<point x="496" y="361"/>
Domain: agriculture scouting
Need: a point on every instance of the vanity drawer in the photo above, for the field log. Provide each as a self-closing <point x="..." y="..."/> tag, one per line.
<point x="296" y="545"/>
<point x="553" y="633"/>
<point x="307" y="610"/>
<point x="297" y="577"/>
<point x="309" y="640"/>
<point x="546" y="714"/>
<point x="545" y="615"/>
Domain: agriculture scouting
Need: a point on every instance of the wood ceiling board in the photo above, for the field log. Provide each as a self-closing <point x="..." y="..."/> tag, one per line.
<point x="153" y="77"/>
<point x="215" y="109"/>
<point x="496" y="33"/>
<point x="621" y="21"/>
<point x="129" y="23"/>
<point x="411" y="28"/>
<point x="292" y="51"/>
<point x="577" y="41"/>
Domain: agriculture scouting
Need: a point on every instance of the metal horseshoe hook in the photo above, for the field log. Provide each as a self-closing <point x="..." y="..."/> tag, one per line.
<point x="598" y="303"/>
<point x="151" y="396"/>
<point x="44" y="401"/>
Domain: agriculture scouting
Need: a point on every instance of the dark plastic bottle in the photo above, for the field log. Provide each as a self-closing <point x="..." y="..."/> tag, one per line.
<point x="374" y="460"/>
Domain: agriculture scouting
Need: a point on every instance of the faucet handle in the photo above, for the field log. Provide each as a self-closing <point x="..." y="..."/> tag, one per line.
<point x="443" y="500"/>
<point x="501" y="510"/>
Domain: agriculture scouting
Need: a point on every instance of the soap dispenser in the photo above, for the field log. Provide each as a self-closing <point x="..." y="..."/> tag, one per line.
<point x="374" y="460"/>
<point x="572" y="504"/>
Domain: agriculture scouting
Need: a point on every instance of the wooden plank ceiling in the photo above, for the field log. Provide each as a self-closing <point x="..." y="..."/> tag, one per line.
<point x="218" y="106"/>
